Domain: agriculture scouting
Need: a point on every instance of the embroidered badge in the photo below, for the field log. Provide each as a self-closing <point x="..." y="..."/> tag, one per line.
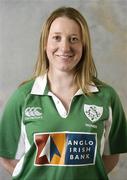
<point x="93" y="112"/>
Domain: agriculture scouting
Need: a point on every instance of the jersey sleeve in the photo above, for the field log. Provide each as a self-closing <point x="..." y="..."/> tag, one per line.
<point x="117" y="138"/>
<point x="10" y="127"/>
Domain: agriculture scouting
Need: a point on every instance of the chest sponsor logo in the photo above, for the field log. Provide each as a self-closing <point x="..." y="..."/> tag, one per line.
<point x="65" y="149"/>
<point x="93" y="112"/>
<point x="33" y="113"/>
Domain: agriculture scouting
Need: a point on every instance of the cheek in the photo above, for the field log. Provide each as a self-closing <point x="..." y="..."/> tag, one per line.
<point x="48" y="51"/>
<point x="79" y="52"/>
<point x="50" y="48"/>
<point x="51" y="45"/>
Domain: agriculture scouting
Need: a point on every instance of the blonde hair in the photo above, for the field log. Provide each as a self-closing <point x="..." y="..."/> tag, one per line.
<point x="85" y="71"/>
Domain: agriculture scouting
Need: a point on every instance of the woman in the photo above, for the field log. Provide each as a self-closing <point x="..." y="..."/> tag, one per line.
<point x="64" y="124"/>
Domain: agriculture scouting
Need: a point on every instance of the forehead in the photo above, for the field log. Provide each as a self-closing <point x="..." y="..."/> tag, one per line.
<point x="65" y="25"/>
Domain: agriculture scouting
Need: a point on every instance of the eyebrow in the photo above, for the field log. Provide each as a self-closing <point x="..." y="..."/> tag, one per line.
<point x="60" y="33"/>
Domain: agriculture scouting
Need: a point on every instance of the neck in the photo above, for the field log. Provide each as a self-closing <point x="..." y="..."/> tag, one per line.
<point x="63" y="86"/>
<point x="61" y="81"/>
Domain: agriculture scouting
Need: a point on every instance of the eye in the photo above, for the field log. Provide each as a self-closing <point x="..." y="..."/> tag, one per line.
<point x="74" y="39"/>
<point x="57" y="38"/>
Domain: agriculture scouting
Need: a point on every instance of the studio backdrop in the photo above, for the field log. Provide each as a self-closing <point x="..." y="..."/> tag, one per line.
<point x="20" y="28"/>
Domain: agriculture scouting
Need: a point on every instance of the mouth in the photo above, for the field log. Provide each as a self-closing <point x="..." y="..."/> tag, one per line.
<point x="64" y="56"/>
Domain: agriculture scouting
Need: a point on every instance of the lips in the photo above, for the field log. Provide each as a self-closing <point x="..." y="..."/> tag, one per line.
<point x="64" y="56"/>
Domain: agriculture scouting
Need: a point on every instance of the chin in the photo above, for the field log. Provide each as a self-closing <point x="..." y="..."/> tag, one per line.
<point x="66" y="70"/>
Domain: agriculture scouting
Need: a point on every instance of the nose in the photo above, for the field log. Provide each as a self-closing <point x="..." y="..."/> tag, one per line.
<point x="65" y="45"/>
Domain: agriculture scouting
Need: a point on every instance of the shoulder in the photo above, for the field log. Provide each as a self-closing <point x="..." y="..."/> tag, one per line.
<point x="26" y="87"/>
<point x="104" y="88"/>
<point x="108" y="92"/>
<point x="19" y="95"/>
<point x="107" y="89"/>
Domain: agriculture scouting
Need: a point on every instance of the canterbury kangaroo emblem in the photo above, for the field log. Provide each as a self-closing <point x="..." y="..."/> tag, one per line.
<point x="33" y="112"/>
<point x="93" y="112"/>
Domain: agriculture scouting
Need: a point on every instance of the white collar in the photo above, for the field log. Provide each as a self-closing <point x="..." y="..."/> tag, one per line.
<point x="41" y="82"/>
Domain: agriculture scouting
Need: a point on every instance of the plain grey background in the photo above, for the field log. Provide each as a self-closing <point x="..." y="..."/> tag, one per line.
<point x="20" y="28"/>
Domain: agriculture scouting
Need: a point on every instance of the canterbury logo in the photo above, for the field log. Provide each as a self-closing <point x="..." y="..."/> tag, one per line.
<point x="33" y="112"/>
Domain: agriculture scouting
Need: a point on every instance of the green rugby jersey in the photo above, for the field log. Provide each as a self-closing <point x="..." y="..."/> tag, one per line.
<point x="54" y="144"/>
